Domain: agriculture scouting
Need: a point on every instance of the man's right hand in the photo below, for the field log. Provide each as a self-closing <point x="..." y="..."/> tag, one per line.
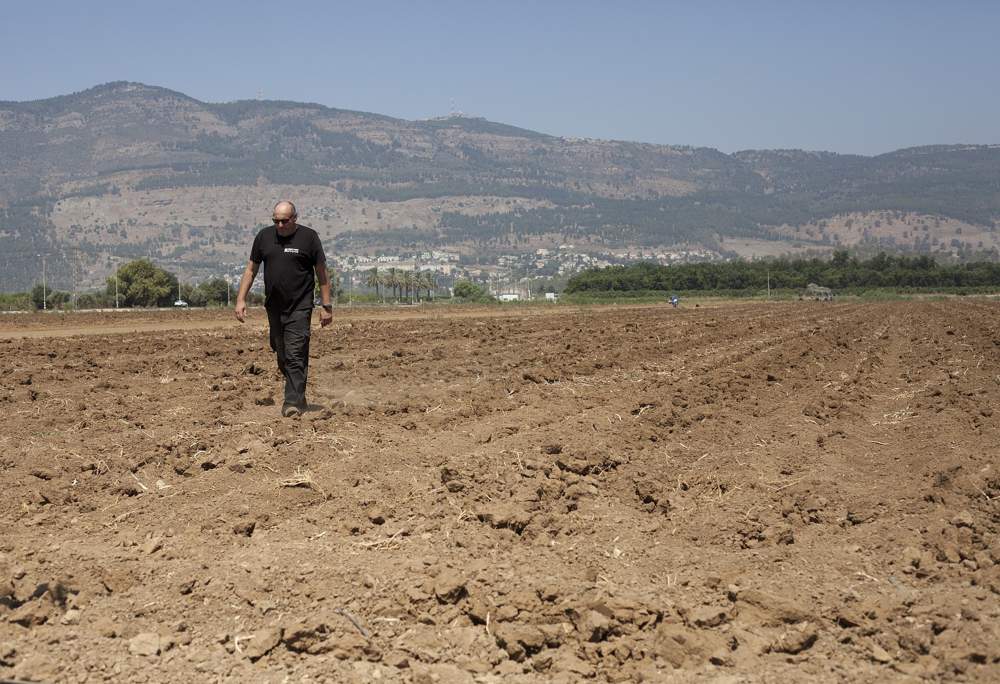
<point x="241" y="311"/>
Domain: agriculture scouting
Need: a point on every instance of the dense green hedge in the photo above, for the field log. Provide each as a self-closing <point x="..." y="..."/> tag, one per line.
<point x="841" y="272"/>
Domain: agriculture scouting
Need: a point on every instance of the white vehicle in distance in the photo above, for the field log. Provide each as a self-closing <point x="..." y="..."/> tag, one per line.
<point x="180" y="302"/>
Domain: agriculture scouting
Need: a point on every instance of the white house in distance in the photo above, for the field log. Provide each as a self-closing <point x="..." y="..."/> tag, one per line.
<point x="509" y="297"/>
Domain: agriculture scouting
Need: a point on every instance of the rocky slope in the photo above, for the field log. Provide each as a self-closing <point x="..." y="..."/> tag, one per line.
<point x="141" y="170"/>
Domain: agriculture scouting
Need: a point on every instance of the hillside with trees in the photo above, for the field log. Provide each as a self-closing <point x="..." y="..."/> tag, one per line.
<point x="135" y="170"/>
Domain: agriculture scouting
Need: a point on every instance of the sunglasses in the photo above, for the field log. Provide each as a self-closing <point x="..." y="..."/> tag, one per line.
<point x="281" y="222"/>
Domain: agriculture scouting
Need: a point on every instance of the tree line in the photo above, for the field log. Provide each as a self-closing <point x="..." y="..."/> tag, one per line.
<point x="840" y="272"/>
<point x="141" y="283"/>
<point x="138" y="283"/>
<point x="404" y="284"/>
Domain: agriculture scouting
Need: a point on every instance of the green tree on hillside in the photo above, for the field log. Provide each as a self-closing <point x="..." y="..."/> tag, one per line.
<point x="49" y="298"/>
<point x="39" y="296"/>
<point x="470" y="292"/>
<point x="141" y="283"/>
<point x="214" y="291"/>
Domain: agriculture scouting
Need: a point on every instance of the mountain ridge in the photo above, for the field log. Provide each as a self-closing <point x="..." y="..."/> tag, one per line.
<point x="132" y="86"/>
<point x="123" y="166"/>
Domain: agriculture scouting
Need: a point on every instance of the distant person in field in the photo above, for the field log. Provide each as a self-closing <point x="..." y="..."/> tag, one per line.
<point x="290" y="254"/>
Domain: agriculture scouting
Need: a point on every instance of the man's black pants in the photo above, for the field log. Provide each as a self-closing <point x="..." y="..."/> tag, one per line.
<point x="290" y="341"/>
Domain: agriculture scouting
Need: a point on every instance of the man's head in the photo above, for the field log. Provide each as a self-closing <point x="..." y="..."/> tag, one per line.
<point x="284" y="216"/>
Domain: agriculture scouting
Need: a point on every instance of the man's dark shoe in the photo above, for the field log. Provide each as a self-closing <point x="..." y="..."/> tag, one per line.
<point x="290" y="411"/>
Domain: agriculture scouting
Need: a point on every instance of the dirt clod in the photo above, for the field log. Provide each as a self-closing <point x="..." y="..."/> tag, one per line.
<point x="261" y="642"/>
<point x="145" y="644"/>
<point x="449" y="587"/>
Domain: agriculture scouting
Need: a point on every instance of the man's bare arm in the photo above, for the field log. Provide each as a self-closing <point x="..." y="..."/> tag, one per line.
<point x="324" y="284"/>
<point x="249" y="273"/>
<point x="325" y="314"/>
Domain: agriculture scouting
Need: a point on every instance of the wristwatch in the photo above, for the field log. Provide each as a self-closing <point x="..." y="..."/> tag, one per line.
<point x="328" y="307"/>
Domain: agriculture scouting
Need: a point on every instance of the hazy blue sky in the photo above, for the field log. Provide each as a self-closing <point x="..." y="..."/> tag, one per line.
<point x="864" y="77"/>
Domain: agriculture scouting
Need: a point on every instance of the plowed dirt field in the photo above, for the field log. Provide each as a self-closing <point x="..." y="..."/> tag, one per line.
<point x="783" y="492"/>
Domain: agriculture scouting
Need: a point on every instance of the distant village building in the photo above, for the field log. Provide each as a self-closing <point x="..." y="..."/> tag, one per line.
<point x="499" y="274"/>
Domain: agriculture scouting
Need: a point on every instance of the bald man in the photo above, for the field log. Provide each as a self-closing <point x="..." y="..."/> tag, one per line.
<point x="290" y="254"/>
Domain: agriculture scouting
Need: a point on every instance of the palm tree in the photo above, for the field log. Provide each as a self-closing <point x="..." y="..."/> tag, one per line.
<point x="407" y="282"/>
<point x="392" y="280"/>
<point x="415" y="283"/>
<point x="373" y="280"/>
<point x="430" y="283"/>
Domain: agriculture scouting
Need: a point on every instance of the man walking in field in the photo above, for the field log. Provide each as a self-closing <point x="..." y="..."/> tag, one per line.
<point x="290" y="254"/>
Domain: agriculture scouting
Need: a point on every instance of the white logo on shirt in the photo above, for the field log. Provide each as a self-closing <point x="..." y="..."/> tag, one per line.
<point x="293" y="250"/>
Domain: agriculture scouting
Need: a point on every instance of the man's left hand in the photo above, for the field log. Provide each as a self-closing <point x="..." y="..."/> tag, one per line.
<point x="325" y="318"/>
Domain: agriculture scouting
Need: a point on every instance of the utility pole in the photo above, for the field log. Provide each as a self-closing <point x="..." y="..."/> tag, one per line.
<point x="115" y="257"/>
<point x="227" y="293"/>
<point x="44" y="286"/>
<point x="768" y="283"/>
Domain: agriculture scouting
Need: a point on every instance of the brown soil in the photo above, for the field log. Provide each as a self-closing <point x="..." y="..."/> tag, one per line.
<point x="769" y="492"/>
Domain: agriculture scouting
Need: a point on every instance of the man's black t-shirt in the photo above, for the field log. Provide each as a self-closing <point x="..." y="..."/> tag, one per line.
<point x="288" y="267"/>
